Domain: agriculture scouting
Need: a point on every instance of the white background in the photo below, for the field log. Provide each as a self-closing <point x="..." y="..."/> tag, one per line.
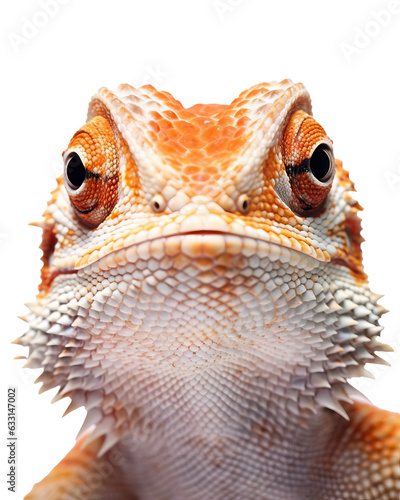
<point x="200" y="51"/>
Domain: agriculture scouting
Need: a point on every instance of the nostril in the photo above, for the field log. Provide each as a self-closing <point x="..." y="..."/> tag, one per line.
<point x="243" y="203"/>
<point x="158" y="203"/>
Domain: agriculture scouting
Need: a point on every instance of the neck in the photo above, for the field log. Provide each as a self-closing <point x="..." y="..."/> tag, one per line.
<point x="206" y="426"/>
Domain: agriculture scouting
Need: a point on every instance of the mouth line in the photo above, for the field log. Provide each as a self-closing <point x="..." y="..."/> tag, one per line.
<point x="263" y="245"/>
<point x="200" y="232"/>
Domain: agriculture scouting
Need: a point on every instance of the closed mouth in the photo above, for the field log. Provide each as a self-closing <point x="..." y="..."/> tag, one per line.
<point x="195" y="244"/>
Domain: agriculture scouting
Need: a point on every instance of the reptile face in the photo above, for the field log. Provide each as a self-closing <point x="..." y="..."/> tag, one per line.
<point x="144" y="168"/>
<point x="202" y="265"/>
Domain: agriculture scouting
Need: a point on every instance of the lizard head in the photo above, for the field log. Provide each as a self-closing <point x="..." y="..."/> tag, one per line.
<point x="187" y="241"/>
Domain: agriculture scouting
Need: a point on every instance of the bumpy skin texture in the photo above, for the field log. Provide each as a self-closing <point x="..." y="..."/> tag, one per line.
<point x="203" y="296"/>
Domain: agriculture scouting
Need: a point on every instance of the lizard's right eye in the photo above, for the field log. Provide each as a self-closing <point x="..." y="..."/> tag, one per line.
<point x="75" y="171"/>
<point x="91" y="171"/>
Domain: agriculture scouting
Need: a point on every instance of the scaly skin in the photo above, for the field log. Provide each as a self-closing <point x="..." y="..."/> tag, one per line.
<point x="203" y="296"/>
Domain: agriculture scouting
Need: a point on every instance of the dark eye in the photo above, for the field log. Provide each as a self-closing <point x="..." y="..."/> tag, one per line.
<point x="307" y="154"/>
<point x="75" y="171"/>
<point x="322" y="163"/>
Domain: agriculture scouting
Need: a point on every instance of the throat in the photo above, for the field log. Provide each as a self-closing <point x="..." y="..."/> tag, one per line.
<point x="205" y="434"/>
<point x="245" y="331"/>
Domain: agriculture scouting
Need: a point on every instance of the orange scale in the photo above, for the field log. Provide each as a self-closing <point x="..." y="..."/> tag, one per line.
<point x="218" y="157"/>
<point x="196" y="189"/>
<point x="131" y="177"/>
<point x="186" y="127"/>
<point x="184" y="114"/>
<point x="237" y="103"/>
<point x="191" y="142"/>
<point x="191" y="169"/>
<point x="198" y="155"/>
<point x="326" y="255"/>
<point x="84" y="260"/>
<point x="172" y="147"/>
<point x="164" y="136"/>
<point x="220" y="145"/>
<point x="206" y="110"/>
<point x="270" y="196"/>
<point x="167" y="150"/>
<point x="152" y="136"/>
<point x="304" y="246"/>
<point x="174" y="162"/>
<point x="226" y="121"/>
<point x="286" y="232"/>
<point x="251" y="222"/>
<point x="238" y="142"/>
<point x="176" y="107"/>
<point x="255" y="92"/>
<point x="165" y="124"/>
<point x="156" y="115"/>
<point x="243" y="119"/>
<point x="319" y="253"/>
<point x="173" y="134"/>
<point x="228" y="131"/>
<point x="239" y="132"/>
<point x="211" y="133"/>
<point x="392" y="443"/>
<point x="159" y="95"/>
<point x="203" y="122"/>
<point x="170" y="115"/>
<point x="200" y="177"/>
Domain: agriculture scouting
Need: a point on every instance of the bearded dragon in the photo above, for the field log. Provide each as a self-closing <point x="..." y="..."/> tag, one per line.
<point x="203" y="297"/>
